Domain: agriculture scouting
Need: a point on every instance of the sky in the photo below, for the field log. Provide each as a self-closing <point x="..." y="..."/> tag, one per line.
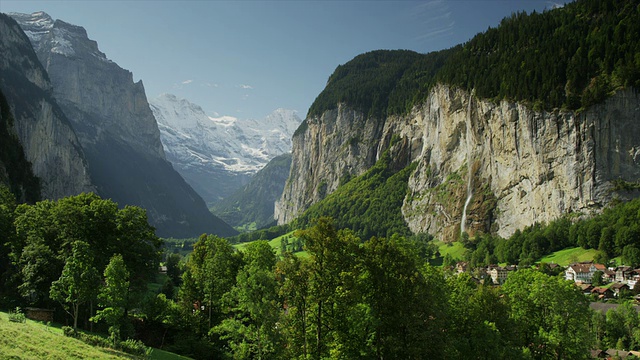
<point x="247" y="58"/>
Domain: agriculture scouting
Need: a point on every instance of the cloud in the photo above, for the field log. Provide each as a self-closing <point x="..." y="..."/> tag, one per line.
<point x="434" y="19"/>
<point x="208" y="84"/>
<point x="187" y="82"/>
<point x="245" y="86"/>
<point x="554" y="5"/>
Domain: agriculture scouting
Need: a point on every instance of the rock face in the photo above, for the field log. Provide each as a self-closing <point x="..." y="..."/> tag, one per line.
<point x="254" y="202"/>
<point x="46" y="135"/>
<point x="219" y="155"/>
<point x="116" y="129"/>
<point x="510" y="165"/>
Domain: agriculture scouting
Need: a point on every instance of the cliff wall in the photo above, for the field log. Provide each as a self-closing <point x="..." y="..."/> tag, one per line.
<point x="511" y="166"/>
<point x="46" y="135"/>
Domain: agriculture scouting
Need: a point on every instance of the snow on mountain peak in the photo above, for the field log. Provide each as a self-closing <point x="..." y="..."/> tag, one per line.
<point x="58" y="36"/>
<point x="193" y="139"/>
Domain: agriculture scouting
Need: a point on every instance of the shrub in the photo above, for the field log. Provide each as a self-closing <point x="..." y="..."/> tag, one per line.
<point x="17" y="316"/>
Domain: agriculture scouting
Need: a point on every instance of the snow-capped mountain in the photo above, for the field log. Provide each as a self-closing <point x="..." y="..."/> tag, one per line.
<point x="217" y="155"/>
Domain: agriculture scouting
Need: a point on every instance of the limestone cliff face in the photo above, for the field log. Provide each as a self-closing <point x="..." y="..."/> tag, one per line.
<point x="116" y="129"/>
<point x="46" y="135"/>
<point x="510" y="165"/>
<point x="324" y="153"/>
<point x="97" y="95"/>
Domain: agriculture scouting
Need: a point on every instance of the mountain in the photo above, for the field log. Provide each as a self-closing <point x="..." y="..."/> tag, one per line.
<point x="526" y="122"/>
<point x="33" y="117"/>
<point x="252" y="205"/>
<point x="116" y="128"/>
<point x="218" y="155"/>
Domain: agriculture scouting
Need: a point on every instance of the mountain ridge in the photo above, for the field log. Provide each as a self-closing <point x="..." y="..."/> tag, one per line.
<point x="218" y="155"/>
<point x="117" y="130"/>
<point x="489" y="159"/>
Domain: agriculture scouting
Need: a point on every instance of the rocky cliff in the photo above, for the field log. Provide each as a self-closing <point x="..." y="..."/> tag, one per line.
<point x="116" y="129"/>
<point x="46" y="135"/>
<point x="252" y="205"/>
<point x="218" y="155"/>
<point x="482" y="166"/>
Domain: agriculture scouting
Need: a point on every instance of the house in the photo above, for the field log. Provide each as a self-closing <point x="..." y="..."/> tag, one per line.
<point x="582" y="272"/>
<point x="586" y="288"/>
<point x="609" y="275"/>
<point x="618" y="287"/>
<point x="602" y="293"/>
<point x="612" y="353"/>
<point x="499" y="274"/>
<point x="39" y="314"/>
<point x="462" y="266"/>
<point x="598" y="354"/>
<point x="622" y="273"/>
<point x="633" y="278"/>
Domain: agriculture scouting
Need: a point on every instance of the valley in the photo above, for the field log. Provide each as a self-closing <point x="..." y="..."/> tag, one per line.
<point x="479" y="201"/>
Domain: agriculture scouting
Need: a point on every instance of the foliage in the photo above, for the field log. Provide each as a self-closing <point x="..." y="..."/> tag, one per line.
<point x="571" y="57"/>
<point x="32" y="341"/>
<point x="17" y="315"/>
<point x="370" y="204"/>
<point x="134" y="347"/>
<point x="263" y="234"/>
<point x="114" y="297"/>
<point x="46" y="233"/>
<point x="251" y="328"/>
<point x="78" y="282"/>
<point x="366" y="82"/>
<point x="552" y="315"/>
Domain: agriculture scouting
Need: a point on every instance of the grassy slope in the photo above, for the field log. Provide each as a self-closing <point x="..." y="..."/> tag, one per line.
<point x="455" y="249"/>
<point x="275" y="244"/>
<point x="570" y="255"/>
<point x="34" y="340"/>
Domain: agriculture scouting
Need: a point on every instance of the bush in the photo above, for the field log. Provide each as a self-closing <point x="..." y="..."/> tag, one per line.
<point x="17" y="316"/>
<point x="130" y="346"/>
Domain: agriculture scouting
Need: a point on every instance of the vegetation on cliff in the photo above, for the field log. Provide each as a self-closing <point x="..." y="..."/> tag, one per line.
<point x="369" y="205"/>
<point x="252" y="206"/>
<point x="570" y="57"/>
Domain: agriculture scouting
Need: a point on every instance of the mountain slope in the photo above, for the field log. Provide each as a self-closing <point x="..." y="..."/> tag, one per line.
<point x="252" y="205"/>
<point x="117" y="130"/>
<point x="43" y="130"/>
<point x="485" y="165"/>
<point x="219" y="155"/>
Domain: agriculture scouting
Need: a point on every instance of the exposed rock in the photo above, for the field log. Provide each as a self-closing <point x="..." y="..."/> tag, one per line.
<point x="526" y="166"/>
<point x="45" y="133"/>
<point x="218" y="155"/>
<point x="117" y="130"/>
<point x="254" y="202"/>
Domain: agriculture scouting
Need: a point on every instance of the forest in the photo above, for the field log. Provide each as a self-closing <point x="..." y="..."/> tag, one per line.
<point x="351" y="297"/>
<point x="567" y="58"/>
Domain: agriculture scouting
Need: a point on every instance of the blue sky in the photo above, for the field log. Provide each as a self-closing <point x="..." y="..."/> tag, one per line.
<point x="247" y="58"/>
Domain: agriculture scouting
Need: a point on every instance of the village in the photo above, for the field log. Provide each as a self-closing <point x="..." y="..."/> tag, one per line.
<point x="599" y="282"/>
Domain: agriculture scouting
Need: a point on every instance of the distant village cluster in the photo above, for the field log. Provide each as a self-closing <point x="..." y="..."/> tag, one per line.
<point x="594" y="279"/>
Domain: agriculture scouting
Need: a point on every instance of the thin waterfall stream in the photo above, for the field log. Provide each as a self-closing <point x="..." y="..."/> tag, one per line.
<point x="463" y="223"/>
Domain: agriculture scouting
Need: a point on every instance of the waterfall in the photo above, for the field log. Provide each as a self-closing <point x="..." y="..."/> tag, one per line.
<point x="470" y="145"/>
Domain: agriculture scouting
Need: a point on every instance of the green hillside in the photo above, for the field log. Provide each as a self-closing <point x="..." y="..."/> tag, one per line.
<point x="32" y="340"/>
<point x="570" y="57"/>
<point x="369" y="204"/>
<point x="251" y="207"/>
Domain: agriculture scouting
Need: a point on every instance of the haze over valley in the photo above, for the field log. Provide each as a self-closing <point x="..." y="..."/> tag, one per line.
<point x="321" y="180"/>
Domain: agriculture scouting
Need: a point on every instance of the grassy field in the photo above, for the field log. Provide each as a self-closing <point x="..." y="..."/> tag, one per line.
<point x="34" y="340"/>
<point x="275" y="244"/>
<point x="455" y="249"/>
<point x="569" y="256"/>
